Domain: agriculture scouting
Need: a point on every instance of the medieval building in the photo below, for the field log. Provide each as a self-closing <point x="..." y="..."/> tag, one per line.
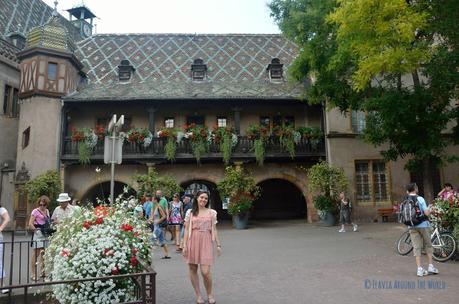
<point x="57" y="78"/>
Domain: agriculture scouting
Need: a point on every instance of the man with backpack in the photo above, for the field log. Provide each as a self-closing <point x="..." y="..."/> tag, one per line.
<point x="414" y="213"/>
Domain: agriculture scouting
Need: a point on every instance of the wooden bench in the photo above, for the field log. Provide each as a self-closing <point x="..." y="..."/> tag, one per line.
<point x="385" y="213"/>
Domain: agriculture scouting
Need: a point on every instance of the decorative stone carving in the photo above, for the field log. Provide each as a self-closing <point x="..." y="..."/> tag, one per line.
<point x="23" y="175"/>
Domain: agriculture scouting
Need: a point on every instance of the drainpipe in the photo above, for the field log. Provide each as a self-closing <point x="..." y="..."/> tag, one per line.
<point x="60" y="140"/>
<point x="324" y="128"/>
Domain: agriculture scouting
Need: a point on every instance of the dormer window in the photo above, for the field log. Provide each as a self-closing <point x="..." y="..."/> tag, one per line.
<point x="275" y="70"/>
<point x="198" y="70"/>
<point x="125" y="70"/>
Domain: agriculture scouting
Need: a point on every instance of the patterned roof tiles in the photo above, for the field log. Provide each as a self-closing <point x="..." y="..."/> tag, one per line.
<point x="236" y="65"/>
<point x="8" y="50"/>
<point x="23" y="15"/>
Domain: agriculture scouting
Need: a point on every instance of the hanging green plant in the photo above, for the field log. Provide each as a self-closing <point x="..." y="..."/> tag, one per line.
<point x="199" y="138"/>
<point x="259" y="151"/>
<point x="86" y="140"/>
<point x="288" y="137"/>
<point x="226" y="139"/>
<point x="312" y="134"/>
<point x="170" y="149"/>
<point x="172" y="135"/>
<point x="259" y="134"/>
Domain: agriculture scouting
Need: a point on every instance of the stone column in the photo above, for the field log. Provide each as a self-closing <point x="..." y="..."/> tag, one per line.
<point x="150" y="167"/>
<point x="62" y="175"/>
<point x="151" y="120"/>
<point x="237" y="120"/>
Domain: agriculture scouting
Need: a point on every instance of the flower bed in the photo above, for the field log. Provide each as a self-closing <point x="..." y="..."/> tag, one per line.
<point x="141" y="136"/>
<point x="95" y="243"/>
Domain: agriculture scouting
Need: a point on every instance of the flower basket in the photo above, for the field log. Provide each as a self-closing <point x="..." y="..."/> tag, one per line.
<point x="172" y="136"/>
<point x="312" y="134"/>
<point x="259" y="134"/>
<point x="226" y="139"/>
<point x="288" y="138"/>
<point x="199" y="137"/>
<point x="86" y="139"/>
<point x="140" y="136"/>
<point x="97" y="243"/>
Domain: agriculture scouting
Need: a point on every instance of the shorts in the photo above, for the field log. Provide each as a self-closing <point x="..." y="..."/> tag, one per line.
<point x="159" y="234"/>
<point x="345" y="216"/>
<point x="420" y="237"/>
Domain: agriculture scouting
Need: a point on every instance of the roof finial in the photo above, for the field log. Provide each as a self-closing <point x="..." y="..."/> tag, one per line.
<point x="55" y="14"/>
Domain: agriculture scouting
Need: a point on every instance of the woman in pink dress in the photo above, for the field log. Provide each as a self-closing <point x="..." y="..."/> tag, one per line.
<point x="198" y="244"/>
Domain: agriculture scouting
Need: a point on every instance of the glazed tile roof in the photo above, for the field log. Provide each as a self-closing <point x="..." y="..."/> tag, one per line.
<point x="23" y="15"/>
<point x="236" y="66"/>
<point x="8" y="50"/>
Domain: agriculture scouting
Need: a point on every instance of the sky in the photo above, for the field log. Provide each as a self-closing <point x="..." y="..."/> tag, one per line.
<point x="177" y="16"/>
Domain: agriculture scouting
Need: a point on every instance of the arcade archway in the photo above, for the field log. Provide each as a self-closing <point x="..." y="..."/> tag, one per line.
<point x="191" y="187"/>
<point x="102" y="192"/>
<point x="279" y="199"/>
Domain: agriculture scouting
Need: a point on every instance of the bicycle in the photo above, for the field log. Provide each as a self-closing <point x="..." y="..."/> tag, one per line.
<point x="443" y="243"/>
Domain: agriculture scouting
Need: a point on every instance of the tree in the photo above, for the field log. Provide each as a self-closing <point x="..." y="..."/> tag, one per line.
<point x="152" y="181"/>
<point x="48" y="183"/>
<point x="358" y="53"/>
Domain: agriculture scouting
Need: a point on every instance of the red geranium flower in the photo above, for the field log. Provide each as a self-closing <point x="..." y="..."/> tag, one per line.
<point x="115" y="270"/>
<point x="126" y="227"/>
<point x="99" y="221"/>
<point x="87" y="224"/>
<point x="134" y="262"/>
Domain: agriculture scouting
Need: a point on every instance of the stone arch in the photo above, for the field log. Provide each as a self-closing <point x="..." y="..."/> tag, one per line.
<point x="102" y="189"/>
<point x="279" y="199"/>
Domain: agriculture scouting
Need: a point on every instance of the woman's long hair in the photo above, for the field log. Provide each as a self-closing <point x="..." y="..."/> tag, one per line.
<point x="43" y="198"/>
<point x="195" y="207"/>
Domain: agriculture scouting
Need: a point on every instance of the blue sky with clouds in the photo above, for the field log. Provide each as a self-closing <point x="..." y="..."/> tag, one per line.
<point x="177" y="16"/>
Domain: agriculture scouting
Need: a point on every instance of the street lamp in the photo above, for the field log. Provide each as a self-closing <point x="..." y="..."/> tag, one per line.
<point x="113" y="127"/>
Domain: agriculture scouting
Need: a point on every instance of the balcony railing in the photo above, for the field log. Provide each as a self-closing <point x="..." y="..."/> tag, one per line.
<point x="242" y="150"/>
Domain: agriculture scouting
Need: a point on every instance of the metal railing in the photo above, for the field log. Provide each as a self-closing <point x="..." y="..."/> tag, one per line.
<point x="243" y="149"/>
<point x="16" y="261"/>
<point x="144" y="288"/>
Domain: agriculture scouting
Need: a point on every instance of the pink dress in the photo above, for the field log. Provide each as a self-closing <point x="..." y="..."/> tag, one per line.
<point x="200" y="239"/>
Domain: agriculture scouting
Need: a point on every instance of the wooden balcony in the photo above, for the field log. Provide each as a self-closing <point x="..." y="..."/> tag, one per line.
<point x="242" y="151"/>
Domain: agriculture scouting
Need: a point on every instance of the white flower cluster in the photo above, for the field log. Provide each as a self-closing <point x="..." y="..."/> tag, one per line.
<point x="147" y="141"/>
<point x="296" y="137"/>
<point x="90" y="139"/>
<point x="98" y="243"/>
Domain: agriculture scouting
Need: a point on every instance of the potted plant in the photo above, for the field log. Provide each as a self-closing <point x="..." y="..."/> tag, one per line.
<point x="199" y="137"/>
<point x="312" y="134"/>
<point x="327" y="182"/>
<point x="171" y="136"/>
<point x="86" y="140"/>
<point x="260" y="135"/>
<point x="140" y="136"/>
<point x="226" y="139"/>
<point x="288" y="137"/>
<point x="241" y="190"/>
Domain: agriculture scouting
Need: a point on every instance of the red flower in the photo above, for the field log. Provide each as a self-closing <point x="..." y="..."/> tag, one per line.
<point x="134" y="250"/>
<point x="134" y="262"/>
<point x="87" y="224"/>
<point x="99" y="221"/>
<point x="136" y="234"/>
<point x="126" y="227"/>
<point x="65" y="252"/>
<point x="115" y="270"/>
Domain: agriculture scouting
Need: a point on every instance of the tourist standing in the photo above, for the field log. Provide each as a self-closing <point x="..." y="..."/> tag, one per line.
<point x="147" y="205"/>
<point x="176" y="218"/>
<point x="187" y="205"/>
<point x="345" y="212"/>
<point x="39" y="221"/>
<point x="4" y="220"/>
<point x="200" y="235"/>
<point x="158" y="215"/>
<point x="414" y="209"/>
<point x="63" y="210"/>
<point x="447" y="193"/>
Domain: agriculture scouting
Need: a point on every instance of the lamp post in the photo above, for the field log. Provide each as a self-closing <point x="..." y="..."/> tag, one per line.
<point x="113" y="127"/>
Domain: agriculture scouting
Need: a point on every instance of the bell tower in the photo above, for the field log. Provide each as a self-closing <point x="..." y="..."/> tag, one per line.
<point x="49" y="70"/>
<point x="84" y="19"/>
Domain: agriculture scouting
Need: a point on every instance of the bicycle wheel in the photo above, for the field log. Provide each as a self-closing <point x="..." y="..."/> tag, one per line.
<point x="444" y="247"/>
<point x="404" y="245"/>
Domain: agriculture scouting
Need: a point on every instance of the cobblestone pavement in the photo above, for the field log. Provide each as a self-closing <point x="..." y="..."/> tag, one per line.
<point x="296" y="262"/>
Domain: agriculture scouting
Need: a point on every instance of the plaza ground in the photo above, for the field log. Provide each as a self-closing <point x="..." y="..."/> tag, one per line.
<point x="296" y="262"/>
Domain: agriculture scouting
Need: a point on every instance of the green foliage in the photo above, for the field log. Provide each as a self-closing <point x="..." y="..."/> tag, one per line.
<point x="152" y="181"/>
<point x="199" y="148"/>
<point x="170" y="149"/>
<point x="226" y="147"/>
<point x="356" y="52"/>
<point x="324" y="203"/>
<point x="259" y="151"/>
<point x="326" y="180"/>
<point x="48" y="183"/>
<point x="239" y="187"/>
<point x="84" y="153"/>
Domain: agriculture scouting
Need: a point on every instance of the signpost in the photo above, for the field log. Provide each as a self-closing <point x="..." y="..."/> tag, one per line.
<point x="113" y="150"/>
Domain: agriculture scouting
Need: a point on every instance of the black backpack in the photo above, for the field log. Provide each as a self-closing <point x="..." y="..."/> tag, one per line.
<point x="410" y="212"/>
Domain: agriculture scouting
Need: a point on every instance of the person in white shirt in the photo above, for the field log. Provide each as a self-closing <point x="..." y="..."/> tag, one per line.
<point x="4" y="220"/>
<point x="65" y="209"/>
